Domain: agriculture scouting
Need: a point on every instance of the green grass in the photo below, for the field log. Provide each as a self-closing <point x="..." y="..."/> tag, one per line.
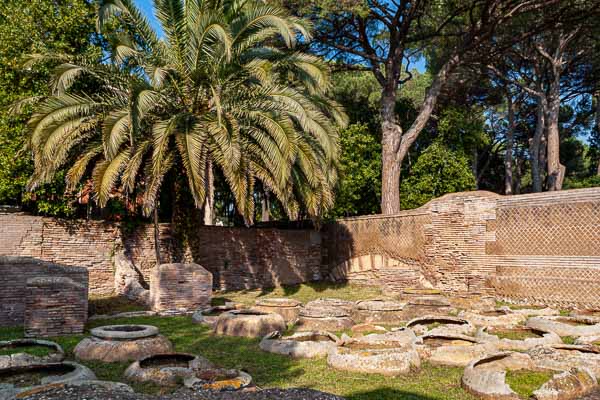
<point x="113" y="305"/>
<point x="303" y="293"/>
<point x="524" y="383"/>
<point x="271" y="370"/>
<point x="515" y="334"/>
<point x="568" y="339"/>
<point x="39" y="351"/>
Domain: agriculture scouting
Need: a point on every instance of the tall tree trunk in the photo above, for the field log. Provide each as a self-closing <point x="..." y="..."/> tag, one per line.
<point x="395" y="144"/>
<point x="474" y="166"/>
<point x="534" y="148"/>
<point x="265" y="214"/>
<point x="518" y="175"/>
<point x="209" y="201"/>
<point x="390" y="142"/>
<point x="508" y="155"/>
<point x="156" y="236"/>
<point x="556" y="171"/>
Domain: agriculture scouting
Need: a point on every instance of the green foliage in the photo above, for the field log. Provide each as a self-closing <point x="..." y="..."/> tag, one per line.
<point x="225" y="89"/>
<point x="359" y="189"/>
<point x="32" y="26"/>
<point x="437" y="171"/>
<point x="574" y="183"/>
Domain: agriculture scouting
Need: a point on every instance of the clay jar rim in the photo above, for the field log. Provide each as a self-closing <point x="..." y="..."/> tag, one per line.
<point x="278" y="303"/>
<point x="55" y="347"/>
<point x="124" y="332"/>
<point x="379" y="305"/>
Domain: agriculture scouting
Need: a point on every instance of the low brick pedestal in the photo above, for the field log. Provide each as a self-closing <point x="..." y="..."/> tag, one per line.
<point x="55" y="306"/>
<point x="180" y="288"/>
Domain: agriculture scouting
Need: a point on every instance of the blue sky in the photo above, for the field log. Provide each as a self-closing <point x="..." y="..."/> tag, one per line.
<point x="146" y="6"/>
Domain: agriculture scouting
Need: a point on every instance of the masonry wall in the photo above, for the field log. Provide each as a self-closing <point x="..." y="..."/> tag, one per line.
<point x="237" y="257"/>
<point x="532" y="248"/>
<point x="16" y="272"/>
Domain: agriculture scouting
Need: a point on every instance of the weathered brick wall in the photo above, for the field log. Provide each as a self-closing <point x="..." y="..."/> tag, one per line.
<point x="237" y="257"/>
<point x="180" y="287"/>
<point x="15" y="272"/>
<point x="55" y="306"/>
<point x="540" y="247"/>
<point x="241" y="258"/>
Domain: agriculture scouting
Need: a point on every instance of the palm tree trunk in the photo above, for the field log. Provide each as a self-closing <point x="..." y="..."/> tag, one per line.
<point x="265" y="214"/>
<point x="209" y="201"/>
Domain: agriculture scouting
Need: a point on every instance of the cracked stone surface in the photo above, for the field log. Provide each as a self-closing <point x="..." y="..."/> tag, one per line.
<point x="565" y="357"/>
<point x="387" y="361"/>
<point x="248" y="323"/>
<point x="452" y="349"/>
<point x="378" y="311"/>
<point x="326" y="315"/>
<point x="166" y="369"/>
<point x="121" y="350"/>
<point x="311" y="344"/>
<point x="567" y="385"/>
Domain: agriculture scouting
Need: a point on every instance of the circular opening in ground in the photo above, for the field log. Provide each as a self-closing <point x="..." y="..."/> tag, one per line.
<point x="167" y="360"/>
<point x="32" y="376"/>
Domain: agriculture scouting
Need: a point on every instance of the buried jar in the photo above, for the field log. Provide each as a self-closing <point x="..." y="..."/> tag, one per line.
<point x="117" y="343"/>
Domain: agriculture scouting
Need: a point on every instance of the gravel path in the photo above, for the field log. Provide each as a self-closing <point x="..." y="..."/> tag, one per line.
<point x="95" y="393"/>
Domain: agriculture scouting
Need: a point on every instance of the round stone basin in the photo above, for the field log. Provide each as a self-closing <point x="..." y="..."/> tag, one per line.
<point x="118" y="343"/>
<point x="124" y="332"/>
<point x="503" y="317"/>
<point x="378" y="311"/>
<point x="365" y="358"/>
<point x="441" y="325"/>
<point x="300" y="345"/>
<point x="566" y="326"/>
<point x="23" y="352"/>
<point x="592" y="315"/>
<point x="20" y="380"/>
<point x="563" y="357"/>
<point x="287" y="308"/>
<point x="517" y="338"/>
<point x="486" y="378"/>
<point x="436" y="341"/>
<point x="166" y="369"/>
<point x="249" y="323"/>
<point x="324" y="316"/>
<point x="451" y="349"/>
<point x="208" y="316"/>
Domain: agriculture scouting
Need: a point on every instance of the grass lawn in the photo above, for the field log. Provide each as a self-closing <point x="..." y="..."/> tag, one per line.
<point x="271" y="370"/>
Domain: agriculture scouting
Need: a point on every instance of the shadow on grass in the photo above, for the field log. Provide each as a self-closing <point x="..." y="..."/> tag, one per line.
<point x="387" y="394"/>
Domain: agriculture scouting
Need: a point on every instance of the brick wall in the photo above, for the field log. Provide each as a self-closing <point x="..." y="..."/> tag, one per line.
<point x="15" y="272"/>
<point x="541" y="247"/>
<point x="237" y="257"/>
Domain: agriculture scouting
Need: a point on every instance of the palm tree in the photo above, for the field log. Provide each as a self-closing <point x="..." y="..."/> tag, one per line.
<point x="225" y="88"/>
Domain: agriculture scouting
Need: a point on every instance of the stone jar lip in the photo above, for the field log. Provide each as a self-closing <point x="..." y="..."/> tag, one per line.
<point x="124" y="332"/>
<point x="379" y="305"/>
<point x="55" y="347"/>
<point x="444" y="320"/>
<point x="278" y="302"/>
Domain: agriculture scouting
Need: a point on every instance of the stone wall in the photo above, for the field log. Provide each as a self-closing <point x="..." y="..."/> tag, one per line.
<point x="242" y="258"/>
<point x="237" y="257"/>
<point x="19" y="284"/>
<point x="541" y="247"/>
<point x="180" y="288"/>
